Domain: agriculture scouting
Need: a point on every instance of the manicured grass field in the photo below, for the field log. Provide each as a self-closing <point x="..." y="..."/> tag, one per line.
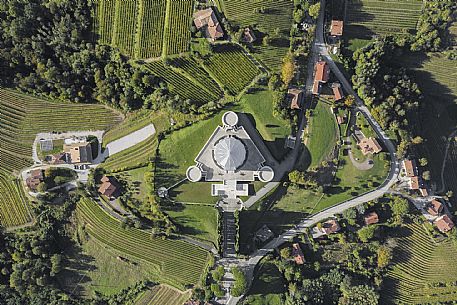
<point x="21" y="118"/>
<point x="423" y="272"/>
<point x="176" y="262"/>
<point x="199" y="221"/>
<point x="163" y="295"/>
<point x="273" y="130"/>
<point x="231" y="67"/>
<point x="277" y="16"/>
<point x="374" y="17"/>
<point x="268" y="286"/>
<point x="323" y="133"/>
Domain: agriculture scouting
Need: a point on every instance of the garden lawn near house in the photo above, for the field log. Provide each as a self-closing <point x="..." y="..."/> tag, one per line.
<point x="268" y="286"/>
<point x="322" y="133"/>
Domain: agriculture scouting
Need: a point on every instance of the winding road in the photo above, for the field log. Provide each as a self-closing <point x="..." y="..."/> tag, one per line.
<point x="319" y="49"/>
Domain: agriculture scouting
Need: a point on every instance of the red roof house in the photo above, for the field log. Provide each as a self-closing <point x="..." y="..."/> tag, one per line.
<point x="409" y="168"/>
<point x="330" y="226"/>
<point x="36" y="177"/>
<point x="369" y="146"/>
<point x="295" y="96"/>
<point x="336" y="28"/>
<point x="435" y="207"/>
<point x="444" y="223"/>
<point x="337" y="92"/>
<point x="109" y="187"/>
<point x="207" y="20"/>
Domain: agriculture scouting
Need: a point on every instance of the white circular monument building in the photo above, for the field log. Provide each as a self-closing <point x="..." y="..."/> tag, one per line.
<point x="194" y="174"/>
<point x="229" y="153"/>
<point x="230" y="118"/>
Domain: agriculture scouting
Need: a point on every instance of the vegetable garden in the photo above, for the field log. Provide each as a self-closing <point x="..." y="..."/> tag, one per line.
<point x="423" y="271"/>
<point x="177" y="263"/>
<point x="372" y="17"/>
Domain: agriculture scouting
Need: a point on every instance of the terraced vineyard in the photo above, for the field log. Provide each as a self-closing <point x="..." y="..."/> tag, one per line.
<point x="177" y="262"/>
<point x="125" y="23"/>
<point x="231" y="67"/>
<point x="277" y="15"/>
<point x="144" y="28"/>
<point x="151" y="18"/>
<point x="21" y="118"/>
<point x="163" y="295"/>
<point x="181" y="85"/>
<point x="138" y="154"/>
<point x="423" y="272"/>
<point x="194" y="70"/>
<point x="177" y="27"/>
<point x="373" y="17"/>
<point x="14" y="209"/>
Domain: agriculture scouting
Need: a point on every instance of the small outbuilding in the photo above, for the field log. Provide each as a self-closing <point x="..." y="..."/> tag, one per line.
<point x="297" y="254"/>
<point x="110" y="187"/>
<point x="371" y="218"/>
<point x="330" y="226"/>
<point x="248" y="35"/>
<point x="336" y="28"/>
<point x="295" y="96"/>
<point x="434" y="207"/>
<point x="337" y="92"/>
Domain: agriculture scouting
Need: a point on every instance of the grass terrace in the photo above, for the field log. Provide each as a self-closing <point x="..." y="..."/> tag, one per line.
<point x="163" y="295"/>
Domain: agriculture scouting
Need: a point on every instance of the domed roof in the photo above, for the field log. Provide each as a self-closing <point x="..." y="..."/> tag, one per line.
<point x="229" y="153"/>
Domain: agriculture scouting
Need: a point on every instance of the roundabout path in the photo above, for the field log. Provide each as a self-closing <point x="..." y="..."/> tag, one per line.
<point x="248" y="265"/>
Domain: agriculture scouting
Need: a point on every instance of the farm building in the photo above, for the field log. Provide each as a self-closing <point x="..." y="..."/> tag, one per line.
<point x="297" y="254"/>
<point x="296" y="97"/>
<point x="444" y="223"/>
<point x="434" y="207"/>
<point x="110" y="187"/>
<point x="207" y="20"/>
<point x="36" y="177"/>
<point x="330" y="226"/>
<point x="336" y="28"/>
<point x="371" y="218"/>
<point x="337" y="91"/>
<point x="409" y="168"/>
<point x="321" y="75"/>
<point x="248" y="35"/>
<point x="369" y="146"/>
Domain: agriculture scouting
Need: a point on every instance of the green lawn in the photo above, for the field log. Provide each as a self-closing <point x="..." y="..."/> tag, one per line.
<point x="259" y="105"/>
<point x="135" y="178"/>
<point x="197" y="192"/>
<point x="268" y="286"/>
<point x="198" y="221"/>
<point x="94" y="267"/>
<point x="322" y="133"/>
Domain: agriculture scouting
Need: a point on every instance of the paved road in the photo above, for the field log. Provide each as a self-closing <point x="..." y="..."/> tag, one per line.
<point x="320" y="49"/>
